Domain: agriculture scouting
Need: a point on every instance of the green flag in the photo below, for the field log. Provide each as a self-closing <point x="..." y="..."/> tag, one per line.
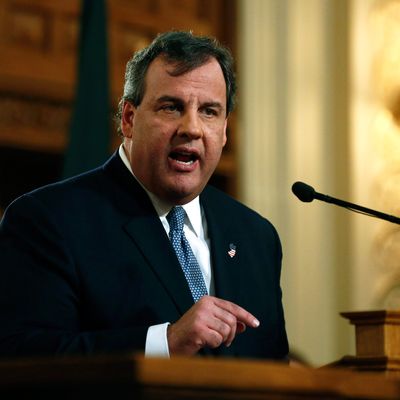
<point x="89" y="140"/>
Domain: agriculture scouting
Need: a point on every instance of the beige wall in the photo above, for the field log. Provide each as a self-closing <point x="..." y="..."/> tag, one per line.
<point x="320" y="102"/>
<point x="295" y="124"/>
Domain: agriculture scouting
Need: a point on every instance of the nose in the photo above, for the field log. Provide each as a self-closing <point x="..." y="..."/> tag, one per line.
<point x="190" y="125"/>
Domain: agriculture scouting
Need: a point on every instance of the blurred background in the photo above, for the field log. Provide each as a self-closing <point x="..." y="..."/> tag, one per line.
<point x="319" y="101"/>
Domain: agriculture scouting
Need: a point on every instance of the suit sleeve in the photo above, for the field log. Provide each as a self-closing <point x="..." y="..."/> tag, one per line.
<point x="282" y="342"/>
<point x="40" y="295"/>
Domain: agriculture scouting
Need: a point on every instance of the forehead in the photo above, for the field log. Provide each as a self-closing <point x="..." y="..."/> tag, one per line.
<point x="205" y="78"/>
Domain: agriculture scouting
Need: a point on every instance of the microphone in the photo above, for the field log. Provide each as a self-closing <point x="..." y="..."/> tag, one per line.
<point x="307" y="193"/>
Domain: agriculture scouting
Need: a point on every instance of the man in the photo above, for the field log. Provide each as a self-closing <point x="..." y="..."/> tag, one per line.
<point x="140" y="254"/>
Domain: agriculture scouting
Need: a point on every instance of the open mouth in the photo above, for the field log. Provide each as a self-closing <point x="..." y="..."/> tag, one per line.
<point x="184" y="158"/>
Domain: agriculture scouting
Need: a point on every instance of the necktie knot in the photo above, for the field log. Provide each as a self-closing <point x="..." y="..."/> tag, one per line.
<point x="176" y="218"/>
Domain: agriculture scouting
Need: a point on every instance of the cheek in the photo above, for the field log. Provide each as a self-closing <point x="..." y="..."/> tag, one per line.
<point x="151" y="136"/>
<point x="218" y="139"/>
<point x="214" y="149"/>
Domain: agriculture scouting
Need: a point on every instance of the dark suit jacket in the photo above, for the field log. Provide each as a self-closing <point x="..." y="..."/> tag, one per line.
<point x="86" y="267"/>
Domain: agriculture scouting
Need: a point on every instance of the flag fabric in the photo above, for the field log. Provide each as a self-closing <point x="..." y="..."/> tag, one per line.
<point x="232" y="250"/>
<point x="89" y="136"/>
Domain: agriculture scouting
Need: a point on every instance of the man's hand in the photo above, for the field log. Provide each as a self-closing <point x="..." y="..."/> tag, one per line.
<point x="209" y="323"/>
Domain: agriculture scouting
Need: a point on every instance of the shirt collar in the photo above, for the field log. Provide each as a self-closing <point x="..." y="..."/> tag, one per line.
<point x="192" y="209"/>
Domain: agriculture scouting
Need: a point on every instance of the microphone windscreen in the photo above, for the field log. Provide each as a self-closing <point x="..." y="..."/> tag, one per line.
<point x="303" y="191"/>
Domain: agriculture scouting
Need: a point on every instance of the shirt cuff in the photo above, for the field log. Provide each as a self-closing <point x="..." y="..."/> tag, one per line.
<point x="156" y="341"/>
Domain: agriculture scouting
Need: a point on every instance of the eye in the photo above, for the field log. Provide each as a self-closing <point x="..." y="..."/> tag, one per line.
<point x="210" y="112"/>
<point x="169" y="107"/>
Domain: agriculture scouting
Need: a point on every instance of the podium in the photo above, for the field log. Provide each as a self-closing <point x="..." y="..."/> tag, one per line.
<point x="373" y="373"/>
<point x="377" y="342"/>
<point x="135" y="377"/>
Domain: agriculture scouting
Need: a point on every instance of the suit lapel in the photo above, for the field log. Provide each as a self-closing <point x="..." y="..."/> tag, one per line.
<point x="227" y="270"/>
<point x="147" y="233"/>
<point x="150" y="237"/>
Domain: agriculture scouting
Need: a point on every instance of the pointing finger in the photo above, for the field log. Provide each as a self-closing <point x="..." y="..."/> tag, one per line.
<point x="238" y="312"/>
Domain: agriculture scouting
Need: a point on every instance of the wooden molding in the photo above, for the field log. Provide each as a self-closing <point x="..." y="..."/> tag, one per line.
<point x="188" y="378"/>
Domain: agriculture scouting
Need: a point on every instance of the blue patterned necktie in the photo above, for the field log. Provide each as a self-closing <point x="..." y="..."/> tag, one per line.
<point x="189" y="264"/>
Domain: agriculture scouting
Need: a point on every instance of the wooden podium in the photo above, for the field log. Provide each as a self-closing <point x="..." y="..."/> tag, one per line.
<point x="373" y="373"/>
<point x="377" y="342"/>
<point x="134" y="377"/>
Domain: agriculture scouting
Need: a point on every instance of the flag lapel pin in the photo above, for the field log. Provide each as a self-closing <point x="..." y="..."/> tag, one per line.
<point x="232" y="250"/>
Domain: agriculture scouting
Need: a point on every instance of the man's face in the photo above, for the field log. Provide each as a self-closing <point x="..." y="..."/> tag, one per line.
<point x="174" y="138"/>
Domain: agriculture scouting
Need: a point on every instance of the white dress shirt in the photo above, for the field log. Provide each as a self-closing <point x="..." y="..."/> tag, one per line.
<point x="195" y="229"/>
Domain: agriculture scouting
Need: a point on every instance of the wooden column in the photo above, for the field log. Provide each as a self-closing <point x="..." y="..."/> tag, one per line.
<point x="377" y="342"/>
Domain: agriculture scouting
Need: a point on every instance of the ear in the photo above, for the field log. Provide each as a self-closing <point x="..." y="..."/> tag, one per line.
<point x="128" y="113"/>
<point x="225" y="138"/>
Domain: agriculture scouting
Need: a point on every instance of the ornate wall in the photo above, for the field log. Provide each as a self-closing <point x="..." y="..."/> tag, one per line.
<point x="385" y="134"/>
<point x="38" y="44"/>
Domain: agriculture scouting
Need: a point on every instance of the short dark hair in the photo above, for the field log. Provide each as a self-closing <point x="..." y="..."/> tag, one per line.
<point x="188" y="52"/>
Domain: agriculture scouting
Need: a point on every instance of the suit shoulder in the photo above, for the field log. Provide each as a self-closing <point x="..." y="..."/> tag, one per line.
<point x="231" y="217"/>
<point x="85" y="180"/>
<point x="229" y="205"/>
<point x="86" y="185"/>
<point x="63" y="192"/>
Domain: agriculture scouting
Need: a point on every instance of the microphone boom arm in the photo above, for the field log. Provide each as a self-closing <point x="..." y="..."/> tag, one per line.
<point x="357" y="208"/>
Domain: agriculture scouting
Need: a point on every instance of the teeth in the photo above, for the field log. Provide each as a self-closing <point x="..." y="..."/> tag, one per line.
<point x="185" y="162"/>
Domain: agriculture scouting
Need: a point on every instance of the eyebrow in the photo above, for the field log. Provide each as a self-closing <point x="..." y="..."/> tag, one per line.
<point x="178" y="100"/>
<point x="214" y="104"/>
<point x="171" y="99"/>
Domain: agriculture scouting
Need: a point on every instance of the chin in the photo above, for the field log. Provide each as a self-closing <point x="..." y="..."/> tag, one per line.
<point x="182" y="195"/>
<point x="179" y="188"/>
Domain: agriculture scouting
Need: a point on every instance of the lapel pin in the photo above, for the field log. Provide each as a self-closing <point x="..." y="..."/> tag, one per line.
<point x="232" y="250"/>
